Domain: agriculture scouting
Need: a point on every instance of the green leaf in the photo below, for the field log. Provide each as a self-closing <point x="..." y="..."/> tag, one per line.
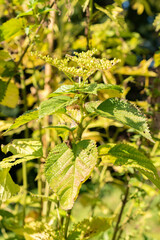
<point x="25" y="118"/>
<point x="7" y="68"/>
<point x="7" y="187"/>
<point x="3" y="88"/>
<point x="67" y="169"/>
<point x="63" y="127"/>
<point x="64" y="89"/>
<point x="24" y="146"/>
<point x="23" y="150"/>
<point x="4" y="55"/>
<point x="89" y="228"/>
<point x="11" y="96"/>
<point x="16" y="159"/>
<point x="92" y="88"/>
<point x="55" y="104"/>
<point x="156" y="22"/>
<point x="129" y="156"/>
<point x="12" y="28"/>
<point x="92" y="105"/>
<point x="126" y="113"/>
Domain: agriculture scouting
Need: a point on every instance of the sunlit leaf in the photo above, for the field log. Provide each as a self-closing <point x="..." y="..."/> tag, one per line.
<point x="67" y="169"/>
<point x="16" y="159"/>
<point x="92" y="88"/>
<point x="12" y="28"/>
<point x="55" y="104"/>
<point x="129" y="156"/>
<point x="126" y="113"/>
<point x="89" y="228"/>
<point x="25" y="118"/>
<point x="24" y="146"/>
<point x="7" y="187"/>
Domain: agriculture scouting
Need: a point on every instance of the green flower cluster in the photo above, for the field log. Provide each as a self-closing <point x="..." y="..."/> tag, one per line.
<point x="81" y="65"/>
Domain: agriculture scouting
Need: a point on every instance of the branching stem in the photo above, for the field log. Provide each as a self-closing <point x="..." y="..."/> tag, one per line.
<point x="121" y="213"/>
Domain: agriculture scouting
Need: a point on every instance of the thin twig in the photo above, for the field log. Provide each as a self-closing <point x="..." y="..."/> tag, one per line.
<point x="121" y="213"/>
<point x="29" y="43"/>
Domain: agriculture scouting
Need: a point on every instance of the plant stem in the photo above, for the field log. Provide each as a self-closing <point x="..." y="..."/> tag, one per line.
<point x="67" y="223"/>
<point x="121" y="213"/>
<point x="24" y="165"/>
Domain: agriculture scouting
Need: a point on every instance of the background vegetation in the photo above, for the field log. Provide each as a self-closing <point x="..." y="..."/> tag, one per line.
<point x="116" y="202"/>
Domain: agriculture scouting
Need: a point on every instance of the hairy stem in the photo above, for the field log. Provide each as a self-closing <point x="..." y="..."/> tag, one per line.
<point x="121" y="213"/>
<point x="67" y="223"/>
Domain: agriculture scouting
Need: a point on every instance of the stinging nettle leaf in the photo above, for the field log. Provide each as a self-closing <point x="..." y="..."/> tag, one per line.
<point x="24" y="146"/>
<point x="92" y="88"/>
<point x="55" y="104"/>
<point x="67" y="169"/>
<point x="23" y="150"/>
<point x="23" y="119"/>
<point x="126" y="113"/>
<point x="129" y="156"/>
<point x="7" y="187"/>
<point x="12" y="28"/>
<point x="16" y="159"/>
<point x="89" y="228"/>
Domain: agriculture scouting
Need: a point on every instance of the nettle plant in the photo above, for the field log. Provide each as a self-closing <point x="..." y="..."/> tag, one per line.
<point x="71" y="161"/>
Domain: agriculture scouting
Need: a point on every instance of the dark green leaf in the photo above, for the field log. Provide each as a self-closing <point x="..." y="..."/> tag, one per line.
<point x="3" y="88"/>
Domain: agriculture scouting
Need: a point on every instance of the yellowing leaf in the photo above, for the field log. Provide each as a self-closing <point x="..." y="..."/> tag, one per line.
<point x="11" y="96"/>
<point x="89" y="228"/>
<point x="7" y="187"/>
<point x="67" y="169"/>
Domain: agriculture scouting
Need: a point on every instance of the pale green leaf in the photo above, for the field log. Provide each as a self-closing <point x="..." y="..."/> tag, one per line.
<point x="25" y="118"/>
<point x="7" y="187"/>
<point x="67" y="169"/>
<point x="16" y="159"/>
<point x="12" y="28"/>
<point x="62" y="127"/>
<point x="24" y="146"/>
<point x="129" y="156"/>
<point x="126" y="113"/>
<point x="156" y="23"/>
<point x="55" y="104"/>
<point x="64" y="89"/>
<point x="89" y="228"/>
<point x="92" y="105"/>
